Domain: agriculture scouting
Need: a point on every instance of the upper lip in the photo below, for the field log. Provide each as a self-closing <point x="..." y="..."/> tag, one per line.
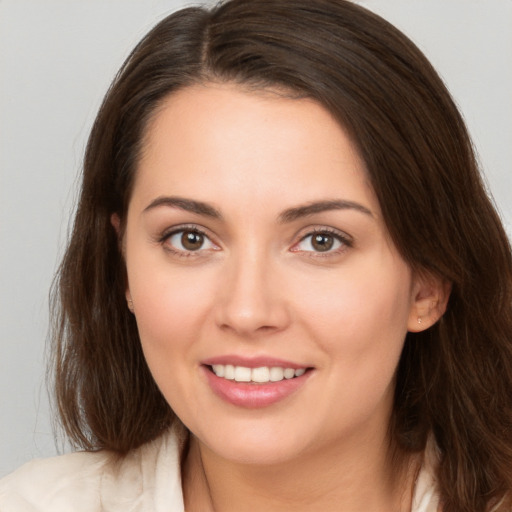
<point x="252" y="362"/>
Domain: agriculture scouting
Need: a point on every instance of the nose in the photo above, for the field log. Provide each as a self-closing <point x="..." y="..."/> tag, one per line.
<point x="252" y="299"/>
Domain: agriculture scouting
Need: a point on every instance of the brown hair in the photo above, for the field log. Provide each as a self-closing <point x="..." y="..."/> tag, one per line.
<point x="454" y="380"/>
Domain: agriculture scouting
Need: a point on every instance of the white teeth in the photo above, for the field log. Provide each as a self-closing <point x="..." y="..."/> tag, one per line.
<point x="289" y="373"/>
<point x="218" y="369"/>
<point x="276" y="374"/>
<point x="260" y="375"/>
<point x="229" y="372"/>
<point x="242" y="374"/>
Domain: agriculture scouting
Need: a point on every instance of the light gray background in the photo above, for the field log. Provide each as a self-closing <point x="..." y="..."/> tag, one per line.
<point x="57" y="58"/>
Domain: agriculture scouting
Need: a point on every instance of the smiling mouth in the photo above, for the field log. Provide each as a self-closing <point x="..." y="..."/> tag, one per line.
<point x="261" y="375"/>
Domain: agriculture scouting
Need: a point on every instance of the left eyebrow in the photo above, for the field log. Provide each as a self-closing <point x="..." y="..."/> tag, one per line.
<point x="298" y="212"/>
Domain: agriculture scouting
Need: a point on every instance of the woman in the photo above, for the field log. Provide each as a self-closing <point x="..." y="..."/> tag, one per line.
<point x="286" y="286"/>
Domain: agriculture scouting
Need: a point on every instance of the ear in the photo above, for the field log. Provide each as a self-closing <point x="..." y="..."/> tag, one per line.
<point x="129" y="301"/>
<point x="430" y="296"/>
<point x="115" y="220"/>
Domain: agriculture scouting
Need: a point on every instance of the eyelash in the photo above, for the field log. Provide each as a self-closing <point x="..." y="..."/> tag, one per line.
<point x="164" y="240"/>
<point x="345" y="241"/>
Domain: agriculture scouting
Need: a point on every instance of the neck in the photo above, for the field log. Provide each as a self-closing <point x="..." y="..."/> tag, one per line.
<point x="354" y="478"/>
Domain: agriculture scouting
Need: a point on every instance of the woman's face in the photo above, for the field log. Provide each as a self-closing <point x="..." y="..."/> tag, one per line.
<point x="255" y="249"/>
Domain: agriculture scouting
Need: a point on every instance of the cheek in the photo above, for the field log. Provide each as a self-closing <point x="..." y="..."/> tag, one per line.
<point x="359" y="322"/>
<point x="359" y="316"/>
<point x="170" y="306"/>
<point x="170" y="309"/>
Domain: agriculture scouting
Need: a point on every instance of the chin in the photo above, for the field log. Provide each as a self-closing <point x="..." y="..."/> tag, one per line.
<point x="256" y="454"/>
<point x="255" y="443"/>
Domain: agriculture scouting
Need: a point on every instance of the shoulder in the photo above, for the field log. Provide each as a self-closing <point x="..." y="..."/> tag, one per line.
<point x="97" y="481"/>
<point x="48" y="484"/>
<point x="426" y="497"/>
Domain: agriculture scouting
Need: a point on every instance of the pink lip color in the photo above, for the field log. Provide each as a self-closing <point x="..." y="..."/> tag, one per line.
<point x="253" y="396"/>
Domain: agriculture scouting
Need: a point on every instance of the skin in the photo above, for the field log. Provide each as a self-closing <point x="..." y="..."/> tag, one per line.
<point x="258" y="286"/>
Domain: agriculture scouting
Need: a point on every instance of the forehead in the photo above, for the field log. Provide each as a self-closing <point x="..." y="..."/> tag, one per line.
<point x="218" y="141"/>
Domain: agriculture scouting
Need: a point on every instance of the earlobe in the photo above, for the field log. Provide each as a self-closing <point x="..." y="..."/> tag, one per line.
<point x="116" y="223"/>
<point x="429" y="302"/>
<point x="129" y="301"/>
<point x="115" y="220"/>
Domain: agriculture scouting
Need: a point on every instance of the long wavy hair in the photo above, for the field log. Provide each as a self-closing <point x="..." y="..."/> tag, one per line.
<point x="454" y="381"/>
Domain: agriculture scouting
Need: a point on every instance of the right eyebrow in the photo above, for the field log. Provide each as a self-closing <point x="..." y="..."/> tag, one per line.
<point x="188" y="205"/>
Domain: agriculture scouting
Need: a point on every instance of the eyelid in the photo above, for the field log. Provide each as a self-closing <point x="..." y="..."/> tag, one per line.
<point x="169" y="232"/>
<point x="346" y="240"/>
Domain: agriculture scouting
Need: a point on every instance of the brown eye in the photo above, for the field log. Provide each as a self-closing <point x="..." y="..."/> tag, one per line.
<point x="322" y="242"/>
<point x="191" y="240"/>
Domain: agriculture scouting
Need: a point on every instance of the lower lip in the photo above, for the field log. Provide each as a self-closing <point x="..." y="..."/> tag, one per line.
<point x="253" y="396"/>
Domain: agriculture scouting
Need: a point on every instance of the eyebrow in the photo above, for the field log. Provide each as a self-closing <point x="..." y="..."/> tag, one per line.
<point x="188" y="205"/>
<point x="299" y="212"/>
<point x="289" y="215"/>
